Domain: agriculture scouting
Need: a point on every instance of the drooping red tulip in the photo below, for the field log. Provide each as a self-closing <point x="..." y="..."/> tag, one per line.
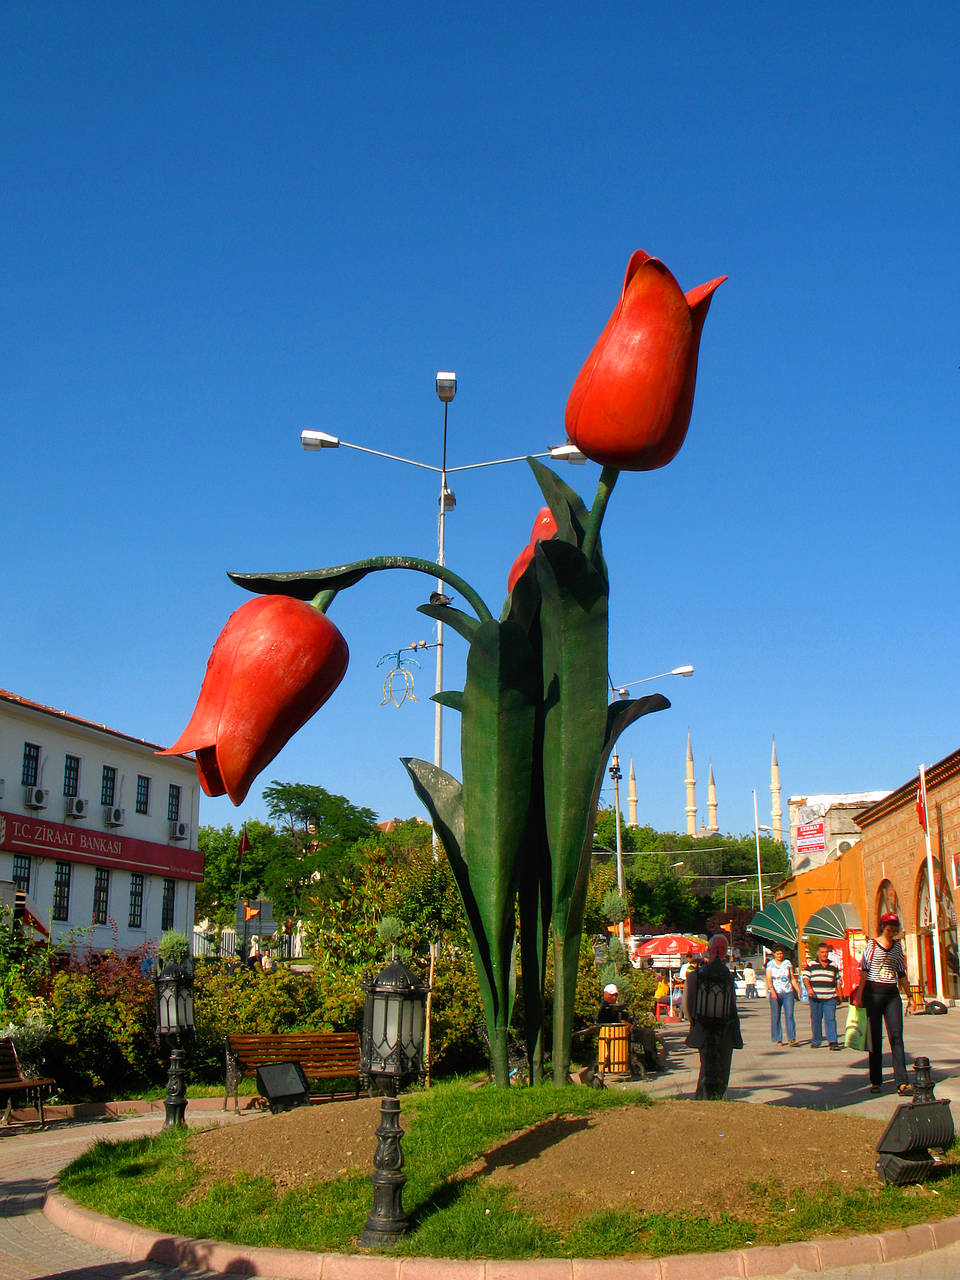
<point x="631" y="403"/>
<point x="275" y="663"/>
<point x="544" y="528"/>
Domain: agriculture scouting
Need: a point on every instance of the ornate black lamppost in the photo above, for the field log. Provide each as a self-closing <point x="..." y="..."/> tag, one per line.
<point x="174" y="981"/>
<point x="391" y="1056"/>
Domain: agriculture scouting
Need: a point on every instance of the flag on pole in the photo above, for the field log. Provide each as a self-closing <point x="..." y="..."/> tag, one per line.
<point x="249" y="912"/>
<point x="244" y="846"/>
<point x="921" y="802"/>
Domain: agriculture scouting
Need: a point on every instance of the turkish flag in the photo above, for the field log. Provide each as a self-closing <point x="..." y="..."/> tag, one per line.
<point x="244" y="846"/>
<point x="921" y="807"/>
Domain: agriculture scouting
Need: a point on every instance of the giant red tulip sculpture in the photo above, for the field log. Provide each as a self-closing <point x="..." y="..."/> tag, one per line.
<point x="275" y="663"/>
<point x="536" y="727"/>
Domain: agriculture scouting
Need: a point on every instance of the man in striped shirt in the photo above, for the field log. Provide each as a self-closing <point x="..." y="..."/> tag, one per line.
<point x="822" y="981"/>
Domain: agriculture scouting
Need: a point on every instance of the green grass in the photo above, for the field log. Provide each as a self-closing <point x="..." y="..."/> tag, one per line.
<point x="154" y="1182"/>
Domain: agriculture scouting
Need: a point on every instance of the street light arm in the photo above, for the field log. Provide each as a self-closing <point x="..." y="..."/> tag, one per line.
<point x="311" y="440"/>
<point x="312" y="582"/>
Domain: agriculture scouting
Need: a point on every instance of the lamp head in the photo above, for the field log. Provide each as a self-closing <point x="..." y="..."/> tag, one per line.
<point x="318" y="440"/>
<point x="567" y="453"/>
<point x="446" y="386"/>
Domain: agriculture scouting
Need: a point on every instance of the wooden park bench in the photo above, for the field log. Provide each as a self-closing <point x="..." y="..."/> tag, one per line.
<point x="13" y="1085"/>
<point x="323" y="1055"/>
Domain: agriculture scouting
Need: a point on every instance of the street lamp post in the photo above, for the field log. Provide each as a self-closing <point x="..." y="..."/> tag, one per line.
<point x="756" y="828"/>
<point x="446" y="386"/>
<point x="621" y="692"/>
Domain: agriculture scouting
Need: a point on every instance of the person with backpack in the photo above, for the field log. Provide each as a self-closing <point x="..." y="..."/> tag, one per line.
<point x="710" y="1002"/>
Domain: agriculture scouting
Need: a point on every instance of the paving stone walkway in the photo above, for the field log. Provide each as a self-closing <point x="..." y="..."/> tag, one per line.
<point x="32" y="1248"/>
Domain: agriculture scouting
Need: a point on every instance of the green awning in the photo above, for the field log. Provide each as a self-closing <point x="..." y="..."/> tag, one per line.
<point x="776" y="923"/>
<point x="832" y="921"/>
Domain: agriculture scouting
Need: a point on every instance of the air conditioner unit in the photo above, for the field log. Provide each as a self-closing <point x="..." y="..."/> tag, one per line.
<point x="35" y="797"/>
<point x="77" y="808"/>
<point x="179" y="830"/>
<point x="113" y="816"/>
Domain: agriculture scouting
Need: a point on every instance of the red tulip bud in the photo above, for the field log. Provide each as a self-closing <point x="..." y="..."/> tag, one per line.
<point x="631" y="403"/>
<point x="544" y="528"/>
<point x="275" y="663"/>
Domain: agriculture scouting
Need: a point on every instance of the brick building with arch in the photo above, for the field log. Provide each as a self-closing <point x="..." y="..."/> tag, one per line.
<point x="894" y="858"/>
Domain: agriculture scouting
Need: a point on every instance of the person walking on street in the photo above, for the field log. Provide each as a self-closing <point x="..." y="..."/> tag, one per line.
<point x="750" y="981"/>
<point x="710" y="1002"/>
<point x="782" y="991"/>
<point x="883" y="970"/>
<point x="822" y="982"/>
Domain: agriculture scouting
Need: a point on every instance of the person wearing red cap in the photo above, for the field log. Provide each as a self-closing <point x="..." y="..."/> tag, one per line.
<point x="884" y="967"/>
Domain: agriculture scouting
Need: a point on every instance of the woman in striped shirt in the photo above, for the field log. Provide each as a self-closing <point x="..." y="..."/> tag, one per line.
<point x="885" y="968"/>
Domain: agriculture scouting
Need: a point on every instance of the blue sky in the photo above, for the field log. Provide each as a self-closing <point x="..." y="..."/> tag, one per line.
<point x="223" y="223"/>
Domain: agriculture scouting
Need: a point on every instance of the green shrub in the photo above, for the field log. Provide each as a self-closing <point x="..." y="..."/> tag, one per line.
<point x="236" y="999"/>
<point x="103" y="1015"/>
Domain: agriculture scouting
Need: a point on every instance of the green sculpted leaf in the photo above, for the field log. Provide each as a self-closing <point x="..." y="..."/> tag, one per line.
<point x="622" y="714"/>
<point x="565" y="503"/>
<point x="573" y="623"/>
<point x="496" y="743"/>
<point x="452" y="698"/>
<point x="308" y="584"/>
<point x="488" y="821"/>
<point x="456" y="619"/>
<point x="442" y="795"/>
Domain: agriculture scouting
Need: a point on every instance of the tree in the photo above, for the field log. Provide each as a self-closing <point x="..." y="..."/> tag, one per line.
<point x="662" y="901"/>
<point x="605" y="832"/>
<point x="217" y="894"/>
<point x="316" y="846"/>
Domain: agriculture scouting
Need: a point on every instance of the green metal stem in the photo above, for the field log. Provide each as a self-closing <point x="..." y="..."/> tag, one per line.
<point x="324" y="599"/>
<point x="608" y="478"/>
<point x="437" y="571"/>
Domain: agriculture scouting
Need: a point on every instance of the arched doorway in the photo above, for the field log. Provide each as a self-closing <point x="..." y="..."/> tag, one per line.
<point x="947" y="924"/>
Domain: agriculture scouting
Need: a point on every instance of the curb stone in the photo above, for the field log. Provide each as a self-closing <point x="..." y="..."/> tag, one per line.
<point x="138" y="1244"/>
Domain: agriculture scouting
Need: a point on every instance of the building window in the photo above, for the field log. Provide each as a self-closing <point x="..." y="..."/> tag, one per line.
<point x="61" y="891"/>
<point x="173" y="802"/>
<point x="71" y="775"/>
<point x="21" y="872"/>
<point x="101" y="895"/>
<point x="143" y="794"/>
<point x="169" y="897"/>
<point x="136" y="900"/>
<point x="108" y="785"/>
<point x="31" y="764"/>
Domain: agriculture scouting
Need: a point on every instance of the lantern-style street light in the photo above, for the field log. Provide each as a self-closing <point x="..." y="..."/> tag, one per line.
<point x="391" y="1049"/>
<point x="174" y="982"/>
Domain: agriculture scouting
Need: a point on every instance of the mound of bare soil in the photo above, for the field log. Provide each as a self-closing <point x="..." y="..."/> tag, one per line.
<point x="701" y="1157"/>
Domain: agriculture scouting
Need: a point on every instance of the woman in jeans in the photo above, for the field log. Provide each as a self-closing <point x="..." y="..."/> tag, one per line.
<point x="885" y="968"/>
<point x="782" y="990"/>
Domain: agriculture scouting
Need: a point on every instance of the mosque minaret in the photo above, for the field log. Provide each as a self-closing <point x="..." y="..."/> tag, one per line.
<point x="632" y="797"/>
<point x="776" y="812"/>
<point x="712" y="826"/>
<point x="691" y="788"/>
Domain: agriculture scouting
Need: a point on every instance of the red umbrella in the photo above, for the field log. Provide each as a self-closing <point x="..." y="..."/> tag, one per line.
<point x="671" y="944"/>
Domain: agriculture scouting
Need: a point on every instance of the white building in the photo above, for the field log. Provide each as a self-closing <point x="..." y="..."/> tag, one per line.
<point x="99" y="831"/>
